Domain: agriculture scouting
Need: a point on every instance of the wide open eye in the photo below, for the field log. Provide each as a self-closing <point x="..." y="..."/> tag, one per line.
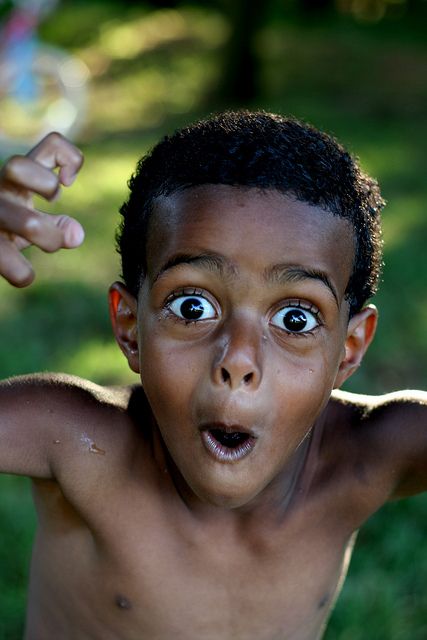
<point x="295" y="319"/>
<point x="192" y="308"/>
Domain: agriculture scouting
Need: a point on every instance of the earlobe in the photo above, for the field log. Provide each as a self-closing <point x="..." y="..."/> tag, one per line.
<point x="123" y="314"/>
<point x="360" y="333"/>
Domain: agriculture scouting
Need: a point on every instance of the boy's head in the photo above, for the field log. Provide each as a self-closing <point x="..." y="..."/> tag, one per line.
<point x="256" y="235"/>
<point x="267" y="152"/>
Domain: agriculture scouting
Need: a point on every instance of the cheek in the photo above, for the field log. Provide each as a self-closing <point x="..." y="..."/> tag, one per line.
<point x="170" y="374"/>
<point x="303" y="385"/>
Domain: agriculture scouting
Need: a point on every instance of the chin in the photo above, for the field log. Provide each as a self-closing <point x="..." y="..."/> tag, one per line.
<point x="227" y="496"/>
<point x="227" y="502"/>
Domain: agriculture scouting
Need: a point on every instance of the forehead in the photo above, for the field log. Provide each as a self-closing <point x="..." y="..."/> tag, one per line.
<point x="253" y="229"/>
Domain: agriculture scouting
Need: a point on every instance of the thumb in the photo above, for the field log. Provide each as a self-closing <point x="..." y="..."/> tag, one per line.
<point x="72" y="231"/>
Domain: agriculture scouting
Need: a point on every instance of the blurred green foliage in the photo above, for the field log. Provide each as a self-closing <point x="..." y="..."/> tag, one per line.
<point x="153" y="70"/>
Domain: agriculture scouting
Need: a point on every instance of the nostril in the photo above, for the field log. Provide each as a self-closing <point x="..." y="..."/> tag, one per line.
<point x="225" y="375"/>
<point x="247" y="379"/>
<point x="229" y="378"/>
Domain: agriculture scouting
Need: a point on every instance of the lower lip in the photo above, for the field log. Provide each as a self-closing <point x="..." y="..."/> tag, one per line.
<point x="227" y="454"/>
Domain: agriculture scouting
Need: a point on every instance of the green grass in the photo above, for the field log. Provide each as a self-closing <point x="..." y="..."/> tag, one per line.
<point x="384" y="596"/>
<point x="18" y="521"/>
<point x="363" y="83"/>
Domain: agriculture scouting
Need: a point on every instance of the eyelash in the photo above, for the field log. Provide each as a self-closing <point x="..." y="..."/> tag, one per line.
<point x="293" y="303"/>
<point x="305" y="306"/>
<point x="300" y="304"/>
<point x="186" y="291"/>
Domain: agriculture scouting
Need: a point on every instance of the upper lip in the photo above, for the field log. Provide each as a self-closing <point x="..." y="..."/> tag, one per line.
<point x="229" y="427"/>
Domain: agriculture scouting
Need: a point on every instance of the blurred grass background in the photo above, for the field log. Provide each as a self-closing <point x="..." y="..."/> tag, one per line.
<point x="356" y="68"/>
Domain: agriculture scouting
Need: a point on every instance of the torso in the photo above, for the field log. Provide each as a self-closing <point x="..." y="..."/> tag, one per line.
<point x="118" y="556"/>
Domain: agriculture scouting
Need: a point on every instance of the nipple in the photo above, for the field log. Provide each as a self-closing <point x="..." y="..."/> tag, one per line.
<point x="122" y="602"/>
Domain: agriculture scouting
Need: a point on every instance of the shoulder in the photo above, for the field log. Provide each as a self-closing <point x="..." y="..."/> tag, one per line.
<point x="385" y="435"/>
<point x="66" y="391"/>
<point x="403" y="397"/>
<point x="63" y="416"/>
<point x="386" y="416"/>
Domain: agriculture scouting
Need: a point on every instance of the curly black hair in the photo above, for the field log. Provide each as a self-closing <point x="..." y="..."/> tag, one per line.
<point x="265" y="151"/>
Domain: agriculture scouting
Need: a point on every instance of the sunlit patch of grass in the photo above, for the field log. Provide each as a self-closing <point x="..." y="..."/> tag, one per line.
<point x="402" y="221"/>
<point x="146" y="97"/>
<point x="99" y="361"/>
<point x="125" y="39"/>
<point x="48" y="323"/>
<point x="103" y="178"/>
<point x="155" y="64"/>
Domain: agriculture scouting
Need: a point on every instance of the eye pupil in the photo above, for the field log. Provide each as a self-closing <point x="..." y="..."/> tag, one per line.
<point x="295" y="320"/>
<point x="192" y="309"/>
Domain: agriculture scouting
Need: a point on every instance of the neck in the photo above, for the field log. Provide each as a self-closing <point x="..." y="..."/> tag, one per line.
<point x="274" y="501"/>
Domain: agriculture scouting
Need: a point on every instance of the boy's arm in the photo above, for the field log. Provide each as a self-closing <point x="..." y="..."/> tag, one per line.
<point x="390" y="433"/>
<point x="405" y="415"/>
<point x="27" y="404"/>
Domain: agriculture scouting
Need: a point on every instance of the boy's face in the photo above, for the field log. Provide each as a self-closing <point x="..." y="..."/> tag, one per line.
<point x="242" y="328"/>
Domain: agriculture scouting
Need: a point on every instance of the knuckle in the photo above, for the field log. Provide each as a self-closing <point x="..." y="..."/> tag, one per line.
<point x="59" y="140"/>
<point x="78" y="156"/>
<point x="41" y="234"/>
<point x="11" y="169"/>
<point x="31" y="226"/>
<point x="55" y="137"/>
<point x="79" y="162"/>
<point x="52" y="141"/>
<point x="51" y="184"/>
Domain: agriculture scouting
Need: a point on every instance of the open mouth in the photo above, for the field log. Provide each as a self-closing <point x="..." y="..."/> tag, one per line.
<point x="227" y="443"/>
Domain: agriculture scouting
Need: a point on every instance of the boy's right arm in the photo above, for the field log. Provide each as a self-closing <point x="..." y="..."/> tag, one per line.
<point x="28" y="404"/>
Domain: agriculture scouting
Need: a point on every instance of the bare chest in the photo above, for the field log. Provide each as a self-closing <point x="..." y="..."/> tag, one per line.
<point x="139" y="572"/>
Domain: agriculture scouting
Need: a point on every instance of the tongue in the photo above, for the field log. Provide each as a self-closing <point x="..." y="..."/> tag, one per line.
<point x="230" y="440"/>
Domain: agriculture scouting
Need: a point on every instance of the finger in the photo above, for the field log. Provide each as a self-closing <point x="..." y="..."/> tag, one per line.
<point x="72" y="231"/>
<point x="13" y="266"/>
<point x="56" y="151"/>
<point x="22" y="174"/>
<point x="20" y="243"/>
<point x="46" y="231"/>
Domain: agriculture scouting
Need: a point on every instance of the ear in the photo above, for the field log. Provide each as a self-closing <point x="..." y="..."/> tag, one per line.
<point x="360" y="332"/>
<point x="123" y="314"/>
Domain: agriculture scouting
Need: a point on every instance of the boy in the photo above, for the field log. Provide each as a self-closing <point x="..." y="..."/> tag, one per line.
<point x="219" y="498"/>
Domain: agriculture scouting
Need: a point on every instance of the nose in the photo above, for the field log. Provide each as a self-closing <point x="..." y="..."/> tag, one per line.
<point x="238" y="364"/>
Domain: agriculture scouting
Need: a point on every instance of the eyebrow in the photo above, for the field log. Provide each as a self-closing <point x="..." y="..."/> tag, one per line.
<point x="212" y="262"/>
<point x="277" y="274"/>
<point x="283" y="273"/>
